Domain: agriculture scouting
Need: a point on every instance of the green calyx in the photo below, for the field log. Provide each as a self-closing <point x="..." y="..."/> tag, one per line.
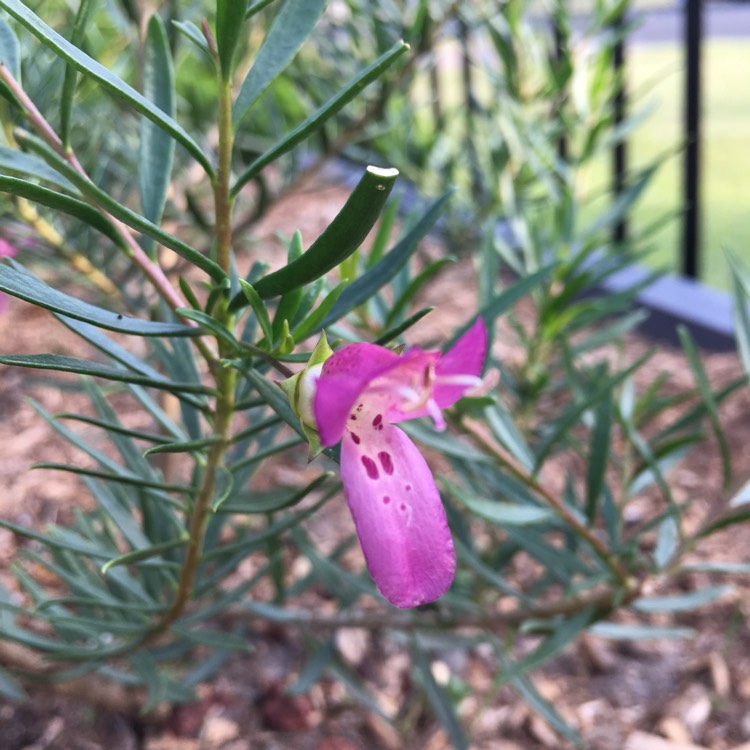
<point x="300" y="390"/>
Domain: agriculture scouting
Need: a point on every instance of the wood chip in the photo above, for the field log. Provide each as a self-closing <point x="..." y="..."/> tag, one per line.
<point x="643" y="741"/>
<point x="720" y="675"/>
<point x="675" y="731"/>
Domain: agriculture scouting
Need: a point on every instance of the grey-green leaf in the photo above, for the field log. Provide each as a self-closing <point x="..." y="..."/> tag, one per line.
<point x="682" y="602"/>
<point x="624" y="632"/>
<point x="27" y="287"/>
<point x="230" y="23"/>
<point x="79" y="366"/>
<point x="91" y="68"/>
<point x="20" y="163"/>
<point x="60" y="202"/>
<point x="71" y="74"/>
<point x="10" y="54"/>
<point x="291" y="26"/>
<point x="157" y="147"/>
<point x="341" y="237"/>
<point x="371" y="73"/>
<point x="387" y="267"/>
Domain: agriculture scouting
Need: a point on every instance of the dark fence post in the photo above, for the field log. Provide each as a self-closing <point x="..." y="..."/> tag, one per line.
<point x="560" y="52"/>
<point x="619" y="154"/>
<point x="691" y="222"/>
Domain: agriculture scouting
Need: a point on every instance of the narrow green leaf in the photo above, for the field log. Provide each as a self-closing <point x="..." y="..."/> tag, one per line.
<point x="339" y="240"/>
<point x="444" y="443"/>
<point x="383" y="233"/>
<point x="667" y="540"/>
<point x="69" y="540"/>
<point x="223" y="489"/>
<point x="157" y="146"/>
<point x="151" y="437"/>
<point x="189" y="446"/>
<point x="286" y="310"/>
<point x="118" y="353"/>
<point x="316" y="666"/>
<point x="441" y="703"/>
<point x="250" y="542"/>
<point x="599" y="444"/>
<point x="393" y="333"/>
<point x="123" y="477"/>
<point x="71" y="74"/>
<point x="194" y="34"/>
<point x="259" y="455"/>
<point x="701" y="380"/>
<point x="10" y="51"/>
<point x="292" y="25"/>
<point x="23" y="285"/>
<point x="528" y="691"/>
<point x="273" y="501"/>
<point x="62" y="363"/>
<point x="661" y="460"/>
<point x="562" y="425"/>
<point x="682" y="602"/>
<point x="256" y="7"/>
<point x="500" y="421"/>
<point x="91" y="68"/>
<point x="230" y="25"/>
<point x="312" y="321"/>
<point x="277" y="400"/>
<point x="499" y="512"/>
<point x="413" y="287"/>
<point x="731" y="568"/>
<point x="317" y="118"/>
<point x="20" y="163"/>
<point x="211" y="325"/>
<point x="255" y="301"/>
<point x="144" y="554"/>
<point x="216" y="639"/>
<point x="563" y="634"/>
<point x="121" y="212"/>
<point x="71" y="206"/>
<point x="723" y="522"/>
<point x="10" y="688"/>
<point x="621" y="632"/>
<point x="384" y="270"/>
<point x="741" y="287"/>
<point x="508" y="297"/>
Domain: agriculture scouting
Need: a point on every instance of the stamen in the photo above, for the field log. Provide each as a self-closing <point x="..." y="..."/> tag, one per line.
<point x="435" y="412"/>
<point x="472" y="381"/>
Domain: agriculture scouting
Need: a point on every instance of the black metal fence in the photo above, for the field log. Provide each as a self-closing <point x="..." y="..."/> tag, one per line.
<point x="689" y="260"/>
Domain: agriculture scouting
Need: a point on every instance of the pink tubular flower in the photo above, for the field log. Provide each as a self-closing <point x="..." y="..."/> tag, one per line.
<point x="361" y="391"/>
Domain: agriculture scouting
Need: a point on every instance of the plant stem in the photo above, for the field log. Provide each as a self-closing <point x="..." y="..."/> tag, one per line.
<point x="562" y="510"/>
<point x="222" y="198"/>
<point x="603" y="602"/>
<point x="226" y="377"/>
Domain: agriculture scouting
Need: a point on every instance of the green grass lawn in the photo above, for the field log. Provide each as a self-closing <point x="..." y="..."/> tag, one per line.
<point x="655" y="73"/>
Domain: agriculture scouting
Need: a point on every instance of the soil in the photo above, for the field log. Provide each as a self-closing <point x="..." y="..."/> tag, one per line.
<point x="647" y="695"/>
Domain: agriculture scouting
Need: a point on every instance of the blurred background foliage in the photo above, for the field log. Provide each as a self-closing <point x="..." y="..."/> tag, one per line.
<point x="486" y="103"/>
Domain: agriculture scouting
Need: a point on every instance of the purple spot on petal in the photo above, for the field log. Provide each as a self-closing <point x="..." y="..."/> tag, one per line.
<point x="386" y="462"/>
<point x="355" y="438"/>
<point x="402" y="506"/>
<point x="376" y="422"/>
<point x="370" y="467"/>
<point x="353" y="417"/>
<point x="408" y="488"/>
<point x="386" y="499"/>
